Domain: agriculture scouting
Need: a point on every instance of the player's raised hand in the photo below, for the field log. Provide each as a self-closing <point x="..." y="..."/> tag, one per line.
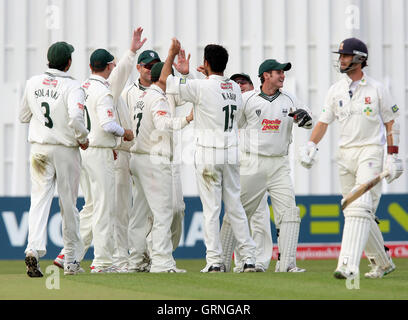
<point x="183" y="64"/>
<point x="174" y="48"/>
<point x="201" y="69"/>
<point x="137" y="43"/>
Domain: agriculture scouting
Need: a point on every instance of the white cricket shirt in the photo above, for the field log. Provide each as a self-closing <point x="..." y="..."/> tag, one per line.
<point x="361" y="117"/>
<point x="153" y="123"/>
<point x="53" y="104"/>
<point x="266" y="128"/>
<point x="217" y="105"/>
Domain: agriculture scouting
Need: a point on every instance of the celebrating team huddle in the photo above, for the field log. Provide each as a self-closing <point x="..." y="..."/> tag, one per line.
<point x="118" y="143"/>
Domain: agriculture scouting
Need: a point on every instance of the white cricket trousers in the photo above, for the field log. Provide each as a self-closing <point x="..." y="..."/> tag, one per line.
<point x="52" y="165"/>
<point x="261" y="174"/>
<point x="123" y="201"/>
<point x="98" y="163"/>
<point x="217" y="175"/>
<point x="357" y="166"/>
<point x="152" y="177"/>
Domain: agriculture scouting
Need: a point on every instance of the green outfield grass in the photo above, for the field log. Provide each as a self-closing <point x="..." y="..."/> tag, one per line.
<point x="317" y="283"/>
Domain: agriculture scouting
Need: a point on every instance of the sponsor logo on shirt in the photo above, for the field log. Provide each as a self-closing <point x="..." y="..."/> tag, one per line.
<point x="368" y="111"/>
<point x="367" y="100"/>
<point x="340" y="103"/>
<point x="183" y="80"/>
<point x="161" y="112"/>
<point x="226" y="85"/>
<point x="50" y="82"/>
<point x="271" y="125"/>
<point x="394" y="108"/>
<point x="110" y="113"/>
<point x="86" y="85"/>
<point x="80" y="106"/>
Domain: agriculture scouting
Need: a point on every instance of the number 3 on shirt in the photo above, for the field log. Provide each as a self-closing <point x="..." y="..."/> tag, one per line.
<point x="229" y="117"/>
<point x="48" y="121"/>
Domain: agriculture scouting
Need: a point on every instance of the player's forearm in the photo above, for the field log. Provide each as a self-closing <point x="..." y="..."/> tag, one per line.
<point x="25" y="113"/>
<point x="114" y="128"/>
<point x="121" y="73"/>
<point x="393" y="132"/>
<point x="318" y="132"/>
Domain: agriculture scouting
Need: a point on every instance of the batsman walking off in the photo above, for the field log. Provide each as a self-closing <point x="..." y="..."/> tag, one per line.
<point x="368" y="118"/>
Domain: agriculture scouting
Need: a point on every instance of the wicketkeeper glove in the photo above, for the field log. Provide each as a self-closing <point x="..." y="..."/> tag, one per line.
<point x="302" y="118"/>
<point x="308" y="154"/>
<point x="394" y="166"/>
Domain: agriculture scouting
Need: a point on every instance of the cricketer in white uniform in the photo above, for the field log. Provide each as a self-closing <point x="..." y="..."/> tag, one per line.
<point x="133" y="95"/>
<point x="217" y="103"/>
<point x="266" y="122"/>
<point x="103" y="89"/>
<point x="152" y="170"/>
<point x="365" y="112"/>
<point x="259" y="222"/>
<point x="53" y="105"/>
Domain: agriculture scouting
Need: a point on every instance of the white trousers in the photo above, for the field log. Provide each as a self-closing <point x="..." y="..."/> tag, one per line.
<point x="357" y="166"/>
<point x="152" y="176"/>
<point x="217" y="175"/>
<point x="123" y="194"/>
<point x="99" y="167"/>
<point x="52" y="165"/>
<point x="259" y="175"/>
<point x="260" y="228"/>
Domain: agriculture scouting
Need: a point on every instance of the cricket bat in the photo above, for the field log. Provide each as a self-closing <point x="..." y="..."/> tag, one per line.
<point x="354" y="194"/>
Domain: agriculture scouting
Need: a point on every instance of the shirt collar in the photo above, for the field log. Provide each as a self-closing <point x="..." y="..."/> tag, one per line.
<point x="217" y="77"/>
<point x="100" y="79"/>
<point x="56" y="72"/>
<point x="157" y="88"/>
<point x="363" y="80"/>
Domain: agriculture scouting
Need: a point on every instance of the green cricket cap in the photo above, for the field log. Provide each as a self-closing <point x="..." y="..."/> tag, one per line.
<point x="100" y="58"/>
<point x="272" y="64"/>
<point x="148" y="56"/>
<point x="156" y="71"/>
<point x="59" y="53"/>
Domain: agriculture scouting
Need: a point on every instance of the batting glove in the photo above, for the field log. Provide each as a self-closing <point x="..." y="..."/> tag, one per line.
<point x="302" y="118"/>
<point x="308" y="154"/>
<point x="394" y="166"/>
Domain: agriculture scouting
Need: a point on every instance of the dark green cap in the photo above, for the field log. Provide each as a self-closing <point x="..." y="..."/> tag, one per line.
<point x="156" y="71"/>
<point x="241" y="75"/>
<point x="148" y="56"/>
<point x="272" y="64"/>
<point x="100" y="58"/>
<point x="59" y="53"/>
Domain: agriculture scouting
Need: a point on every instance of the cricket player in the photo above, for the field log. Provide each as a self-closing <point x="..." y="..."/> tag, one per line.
<point x="53" y="105"/>
<point x="259" y="222"/>
<point x="133" y="95"/>
<point x="368" y="117"/>
<point x="217" y="103"/>
<point x="267" y="122"/>
<point x="152" y="169"/>
<point x="103" y="89"/>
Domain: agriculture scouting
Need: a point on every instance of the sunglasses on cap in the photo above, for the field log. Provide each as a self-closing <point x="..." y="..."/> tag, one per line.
<point x="148" y="66"/>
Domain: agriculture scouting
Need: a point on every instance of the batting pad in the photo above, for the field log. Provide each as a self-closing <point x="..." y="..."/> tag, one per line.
<point x="288" y="238"/>
<point x="374" y="248"/>
<point x="228" y="243"/>
<point x="355" y="235"/>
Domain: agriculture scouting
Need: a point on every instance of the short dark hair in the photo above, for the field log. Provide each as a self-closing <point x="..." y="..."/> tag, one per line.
<point x="216" y="56"/>
<point x="60" y="67"/>
<point x="98" y="68"/>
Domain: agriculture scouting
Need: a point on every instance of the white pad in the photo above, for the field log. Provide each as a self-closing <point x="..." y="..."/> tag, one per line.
<point x="374" y="249"/>
<point x="228" y="243"/>
<point x="288" y="238"/>
<point x="361" y="207"/>
<point x="355" y="234"/>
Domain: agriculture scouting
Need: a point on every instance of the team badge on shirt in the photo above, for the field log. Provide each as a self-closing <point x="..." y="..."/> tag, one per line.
<point x="367" y="100"/>
<point x="368" y="111"/>
<point x="258" y="112"/>
<point x="271" y="125"/>
<point x="340" y="103"/>
<point x="394" y="108"/>
<point x="285" y="112"/>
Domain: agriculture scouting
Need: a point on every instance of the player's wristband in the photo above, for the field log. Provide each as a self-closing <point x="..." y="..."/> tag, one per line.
<point x="392" y="149"/>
